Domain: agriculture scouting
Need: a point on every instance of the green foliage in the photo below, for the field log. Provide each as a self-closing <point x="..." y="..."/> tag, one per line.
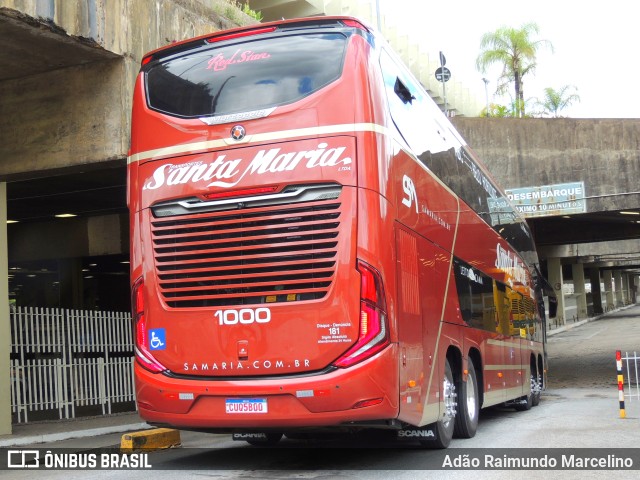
<point x="515" y="50"/>
<point x="497" y="111"/>
<point x="555" y="101"/>
<point x="233" y="6"/>
<point x="252" y="13"/>
<point x="503" y="111"/>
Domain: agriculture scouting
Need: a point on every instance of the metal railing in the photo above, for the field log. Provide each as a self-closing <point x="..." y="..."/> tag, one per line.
<point x="66" y="363"/>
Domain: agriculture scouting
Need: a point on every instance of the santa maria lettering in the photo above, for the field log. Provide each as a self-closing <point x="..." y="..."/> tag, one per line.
<point x="509" y="263"/>
<point x="227" y="172"/>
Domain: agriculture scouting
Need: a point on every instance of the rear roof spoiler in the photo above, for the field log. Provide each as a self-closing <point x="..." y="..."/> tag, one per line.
<point x="257" y="29"/>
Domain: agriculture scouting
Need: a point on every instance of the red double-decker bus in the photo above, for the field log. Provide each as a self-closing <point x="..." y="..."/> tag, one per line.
<point x="313" y="245"/>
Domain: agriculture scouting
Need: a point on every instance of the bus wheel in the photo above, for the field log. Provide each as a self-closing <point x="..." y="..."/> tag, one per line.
<point x="536" y="386"/>
<point x="466" y="422"/>
<point x="525" y="403"/>
<point x="269" y="440"/>
<point x="445" y="425"/>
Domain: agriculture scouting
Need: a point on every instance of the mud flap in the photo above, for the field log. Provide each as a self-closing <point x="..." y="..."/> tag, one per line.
<point x="424" y="434"/>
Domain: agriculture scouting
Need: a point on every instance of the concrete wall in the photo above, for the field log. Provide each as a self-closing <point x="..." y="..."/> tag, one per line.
<point x="67" y="117"/>
<point x="75" y="114"/>
<point x="130" y="28"/>
<point x="604" y="153"/>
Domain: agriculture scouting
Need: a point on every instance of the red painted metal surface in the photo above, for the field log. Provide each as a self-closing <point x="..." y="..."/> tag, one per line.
<point x="260" y="297"/>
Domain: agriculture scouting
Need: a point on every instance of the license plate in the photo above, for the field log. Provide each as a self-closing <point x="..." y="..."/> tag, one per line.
<point x="246" y="405"/>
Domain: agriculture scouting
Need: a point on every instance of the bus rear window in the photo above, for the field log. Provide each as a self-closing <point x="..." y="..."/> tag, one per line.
<point x="246" y="76"/>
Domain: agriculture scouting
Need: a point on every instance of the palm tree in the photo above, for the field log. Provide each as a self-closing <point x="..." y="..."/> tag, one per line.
<point x="516" y="51"/>
<point x="556" y="100"/>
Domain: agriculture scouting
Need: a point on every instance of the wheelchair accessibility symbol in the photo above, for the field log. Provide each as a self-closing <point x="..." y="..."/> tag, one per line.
<point x="157" y="339"/>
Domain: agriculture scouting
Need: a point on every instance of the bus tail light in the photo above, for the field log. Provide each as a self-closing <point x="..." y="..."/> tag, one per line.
<point x="352" y="22"/>
<point x="140" y="334"/>
<point x="244" y="33"/>
<point x="246" y="192"/>
<point x="374" y="329"/>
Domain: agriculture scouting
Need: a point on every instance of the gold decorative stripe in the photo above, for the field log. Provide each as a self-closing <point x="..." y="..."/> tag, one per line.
<point x="504" y="343"/>
<point x="505" y="367"/>
<point x="195" y="147"/>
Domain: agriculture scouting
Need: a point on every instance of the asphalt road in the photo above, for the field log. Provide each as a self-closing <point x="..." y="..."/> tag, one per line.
<point x="579" y="410"/>
<point x="584" y="357"/>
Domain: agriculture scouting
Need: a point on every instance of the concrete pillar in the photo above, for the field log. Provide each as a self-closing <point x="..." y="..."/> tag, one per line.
<point x="71" y="284"/>
<point x="596" y="292"/>
<point x="627" y="280"/>
<point x="617" y="276"/>
<point x="554" y="267"/>
<point x="579" y="290"/>
<point x="5" y="326"/>
<point x="608" y="289"/>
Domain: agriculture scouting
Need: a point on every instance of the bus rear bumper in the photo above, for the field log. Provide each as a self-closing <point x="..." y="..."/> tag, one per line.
<point x="365" y="392"/>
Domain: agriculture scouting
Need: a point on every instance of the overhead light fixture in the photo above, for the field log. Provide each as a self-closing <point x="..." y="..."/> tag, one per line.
<point x="12" y="221"/>
<point x="66" y="215"/>
<point x="629" y="213"/>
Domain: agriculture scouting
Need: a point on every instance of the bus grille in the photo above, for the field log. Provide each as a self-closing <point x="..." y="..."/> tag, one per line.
<point x="265" y="254"/>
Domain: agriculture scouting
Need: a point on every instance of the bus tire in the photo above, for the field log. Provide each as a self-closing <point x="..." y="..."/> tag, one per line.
<point x="536" y="386"/>
<point x="445" y="425"/>
<point x="466" y="422"/>
<point x="525" y="403"/>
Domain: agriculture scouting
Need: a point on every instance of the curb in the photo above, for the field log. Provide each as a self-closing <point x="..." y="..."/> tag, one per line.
<point x="58" y="436"/>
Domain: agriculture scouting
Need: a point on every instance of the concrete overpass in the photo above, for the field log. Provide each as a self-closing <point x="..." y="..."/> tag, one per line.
<point x="597" y="233"/>
<point x="67" y="70"/>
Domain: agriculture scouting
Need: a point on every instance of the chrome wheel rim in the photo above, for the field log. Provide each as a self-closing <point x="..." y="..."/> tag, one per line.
<point x="449" y="394"/>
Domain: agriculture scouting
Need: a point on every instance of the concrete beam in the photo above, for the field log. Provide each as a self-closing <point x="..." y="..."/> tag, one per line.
<point x="620" y="250"/>
<point x="127" y="28"/>
<point x="533" y="152"/>
<point x="69" y="238"/>
<point x="80" y="117"/>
